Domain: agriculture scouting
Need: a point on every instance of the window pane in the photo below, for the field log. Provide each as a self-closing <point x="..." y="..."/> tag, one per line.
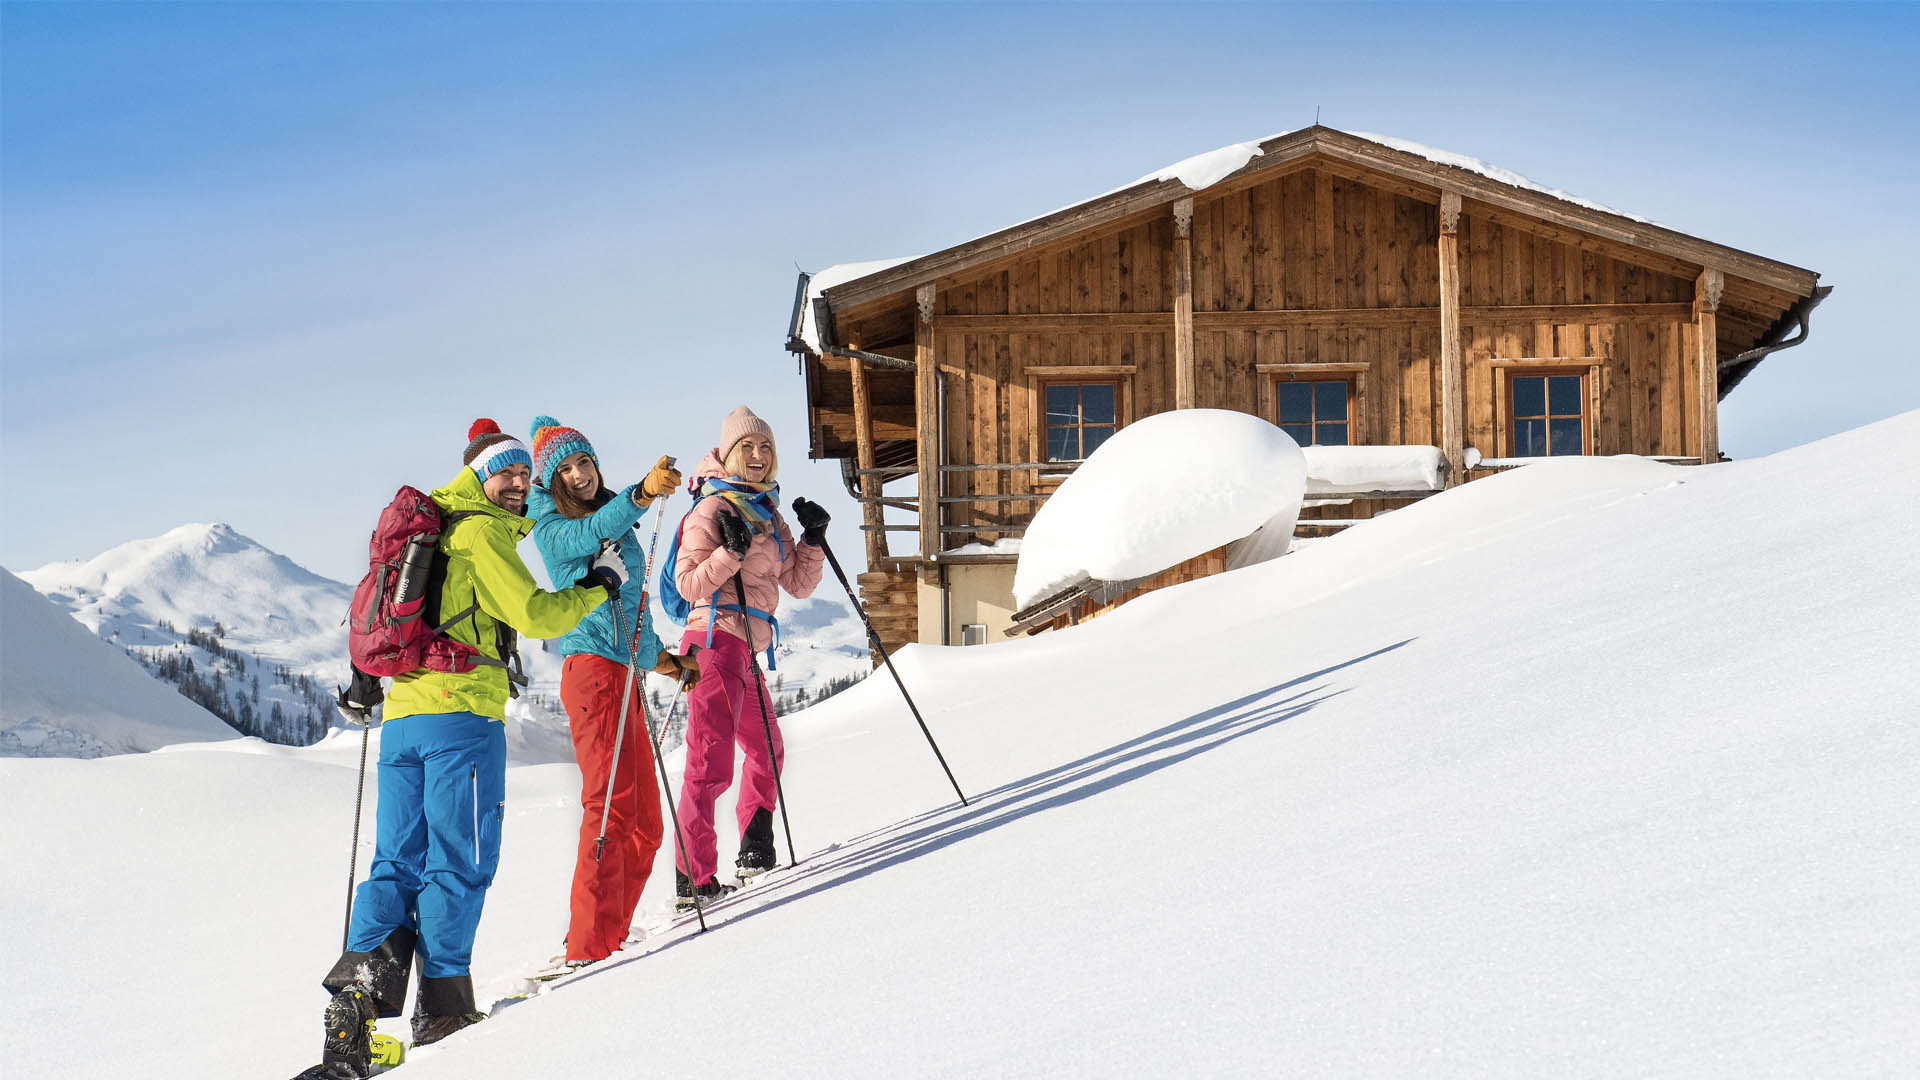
<point x="1096" y="403"/>
<point x="1296" y="405"/>
<point x="1060" y="444"/>
<point x="1529" y="395"/>
<point x="1332" y="401"/>
<point x="1529" y="438"/>
<point x="1331" y="434"/>
<point x="1302" y="433"/>
<point x="1063" y="405"/>
<point x="1092" y="437"/>
<point x="1563" y="395"/>
<point x="1565" y="436"/>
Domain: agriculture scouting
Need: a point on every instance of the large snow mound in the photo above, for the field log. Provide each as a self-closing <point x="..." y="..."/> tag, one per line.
<point x="1159" y="492"/>
<point x="66" y="693"/>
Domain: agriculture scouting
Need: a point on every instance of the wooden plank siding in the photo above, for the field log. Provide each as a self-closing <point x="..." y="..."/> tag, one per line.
<point x="1313" y="266"/>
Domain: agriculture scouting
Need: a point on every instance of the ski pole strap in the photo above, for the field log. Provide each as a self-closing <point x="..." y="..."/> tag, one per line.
<point x="713" y="619"/>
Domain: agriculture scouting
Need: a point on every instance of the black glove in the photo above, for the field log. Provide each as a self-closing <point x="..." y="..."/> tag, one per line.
<point x="358" y="697"/>
<point x="601" y="577"/>
<point x="813" y="521"/>
<point x="734" y="534"/>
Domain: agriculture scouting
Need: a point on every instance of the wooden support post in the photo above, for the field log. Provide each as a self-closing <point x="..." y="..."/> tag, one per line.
<point x="871" y="513"/>
<point x="1453" y="405"/>
<point x="926" y="403"/>
<point x="1184" y="395"/>
<point x="1706" y="303"/>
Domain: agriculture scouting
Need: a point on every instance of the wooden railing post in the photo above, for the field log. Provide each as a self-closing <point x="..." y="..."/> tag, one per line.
<point x="871" y="512"/>
<point x="1453" y="407"/>
<point x="1183" y="377"/>
<point x="1706" y="304"/>
<point x="926" y="423"/>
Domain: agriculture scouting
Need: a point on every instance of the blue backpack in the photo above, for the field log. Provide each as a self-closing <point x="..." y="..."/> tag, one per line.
<point x="678" y="607"/>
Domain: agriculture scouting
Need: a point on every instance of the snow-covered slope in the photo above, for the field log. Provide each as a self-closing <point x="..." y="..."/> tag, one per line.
<point x="65" y="693"/>
<point x="1596" y="768"/>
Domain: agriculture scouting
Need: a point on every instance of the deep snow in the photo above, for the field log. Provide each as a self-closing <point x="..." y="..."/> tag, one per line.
<point x="1597" y="768"/>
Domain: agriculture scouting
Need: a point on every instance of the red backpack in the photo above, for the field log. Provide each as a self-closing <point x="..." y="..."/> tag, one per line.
<point x="389" y="627"/>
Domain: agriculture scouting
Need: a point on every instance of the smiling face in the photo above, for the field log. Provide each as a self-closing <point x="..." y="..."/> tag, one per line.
<point x="753" y="459"/>
<point x="507" y="488"/>
<point x="578" y="476"/>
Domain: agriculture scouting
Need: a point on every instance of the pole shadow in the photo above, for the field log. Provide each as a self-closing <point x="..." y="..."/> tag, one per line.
<point x="1061" y="785"/>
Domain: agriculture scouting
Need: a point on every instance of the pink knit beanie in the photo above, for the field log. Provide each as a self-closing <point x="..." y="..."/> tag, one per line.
<point x="739" y="424"/>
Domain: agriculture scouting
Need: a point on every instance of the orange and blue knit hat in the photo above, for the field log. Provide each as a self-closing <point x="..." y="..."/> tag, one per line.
<point x="489" y="449"/>
<point x="552" y="443"/>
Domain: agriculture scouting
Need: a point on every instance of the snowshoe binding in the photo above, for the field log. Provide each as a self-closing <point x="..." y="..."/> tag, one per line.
<point x="687" y="896"/>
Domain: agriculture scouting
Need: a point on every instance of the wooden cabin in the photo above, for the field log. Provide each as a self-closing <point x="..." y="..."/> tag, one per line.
<point x="1352" y="289"/>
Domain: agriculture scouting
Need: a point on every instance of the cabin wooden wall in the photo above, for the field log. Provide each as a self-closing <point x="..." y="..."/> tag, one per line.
<point x="1265" y="260"/>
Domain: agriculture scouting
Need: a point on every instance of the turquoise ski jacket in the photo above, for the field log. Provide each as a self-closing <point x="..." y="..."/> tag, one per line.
<point x="567" y="547"/>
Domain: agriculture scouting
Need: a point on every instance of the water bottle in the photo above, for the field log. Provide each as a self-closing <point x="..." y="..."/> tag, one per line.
<point x="415" y="568"/>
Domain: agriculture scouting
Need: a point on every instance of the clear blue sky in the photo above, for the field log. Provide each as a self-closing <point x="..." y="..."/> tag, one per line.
<point x="263" y="263"/>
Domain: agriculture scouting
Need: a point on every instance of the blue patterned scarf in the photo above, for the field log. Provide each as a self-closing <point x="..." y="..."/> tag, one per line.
<point x="755" y="503"/>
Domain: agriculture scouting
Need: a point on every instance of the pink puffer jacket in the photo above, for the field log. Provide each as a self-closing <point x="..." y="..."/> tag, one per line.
<point x="705" y="564"/>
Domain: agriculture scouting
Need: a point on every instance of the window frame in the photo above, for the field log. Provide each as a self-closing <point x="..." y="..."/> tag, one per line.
<point x="1119" y="376"/>
<point x="1507" y="369"/>
<point x="1354" y="375"/>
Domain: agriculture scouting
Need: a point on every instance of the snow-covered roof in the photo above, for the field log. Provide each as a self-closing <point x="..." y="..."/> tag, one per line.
<point x="826" y="279"/>
<point x="1201" y="171"/>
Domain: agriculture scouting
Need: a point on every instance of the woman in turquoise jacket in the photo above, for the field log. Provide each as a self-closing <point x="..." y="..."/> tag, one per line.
<point x="574" y="515"/>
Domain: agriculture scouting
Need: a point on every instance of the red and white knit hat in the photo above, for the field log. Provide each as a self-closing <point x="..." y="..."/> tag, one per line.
<point x="489" y="449"/>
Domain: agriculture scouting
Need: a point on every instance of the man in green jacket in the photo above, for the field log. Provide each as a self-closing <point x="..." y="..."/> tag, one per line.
<point x="442" y="776"/>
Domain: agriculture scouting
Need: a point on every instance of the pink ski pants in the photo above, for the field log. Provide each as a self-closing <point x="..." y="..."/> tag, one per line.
<point x="722" y="712"/>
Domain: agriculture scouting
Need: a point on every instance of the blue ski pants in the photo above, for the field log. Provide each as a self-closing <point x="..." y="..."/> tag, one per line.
<point x="442" y="783"/>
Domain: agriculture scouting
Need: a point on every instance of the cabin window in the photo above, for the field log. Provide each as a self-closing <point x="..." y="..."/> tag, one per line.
<point x="1079" y="417"/>
<point x="1549" y="414"/>
<point x="1315" y="411"/>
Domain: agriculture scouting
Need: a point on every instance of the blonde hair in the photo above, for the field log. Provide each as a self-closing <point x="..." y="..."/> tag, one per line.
<point x="736" y="462"/>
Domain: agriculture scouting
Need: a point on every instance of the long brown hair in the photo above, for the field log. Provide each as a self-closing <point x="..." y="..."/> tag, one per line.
<point x="571" y="507"/>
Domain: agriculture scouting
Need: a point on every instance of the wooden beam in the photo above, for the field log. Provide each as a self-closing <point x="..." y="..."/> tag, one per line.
<point x="1453" y="405"/>
<point x="1706" y="305"/>
<point x="870" y="510"/>
<point x="1183" y="377"/>
<point x="926" y="402"/>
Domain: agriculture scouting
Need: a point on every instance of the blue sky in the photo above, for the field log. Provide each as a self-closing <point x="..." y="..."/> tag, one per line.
<point x="263" y="263"/>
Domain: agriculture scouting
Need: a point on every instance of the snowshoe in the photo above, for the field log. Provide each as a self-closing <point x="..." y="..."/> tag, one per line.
<point x="348" y="1047"/>
<point x="559" y="967"/>
<point x="685" y="892"/>
<point x="428" y="1030"/>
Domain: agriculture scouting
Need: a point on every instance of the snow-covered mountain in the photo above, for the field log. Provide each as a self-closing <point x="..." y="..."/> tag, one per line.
<point x="1600" y="767"/>
<point x="245" y="632"/>
<point x="259" y="639"/>
<point x="65" y="693"/>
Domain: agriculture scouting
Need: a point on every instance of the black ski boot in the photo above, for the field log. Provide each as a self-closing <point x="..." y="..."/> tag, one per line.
<point x="444" y="1006"/>
<point x="756" y="846"/>
<point x="684" y="891"/>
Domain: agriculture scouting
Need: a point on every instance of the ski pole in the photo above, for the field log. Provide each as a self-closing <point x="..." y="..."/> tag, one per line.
<point x="619" y="734"/>
<point x="679" y="838"/>
<point x="766" y="720"/>
<point x="353" y="853"/>
<point x="874" y="636"/>
<point x="633" y="673"/>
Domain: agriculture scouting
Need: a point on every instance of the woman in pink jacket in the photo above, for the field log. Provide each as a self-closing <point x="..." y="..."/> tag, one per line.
<point x="735" y="541"/>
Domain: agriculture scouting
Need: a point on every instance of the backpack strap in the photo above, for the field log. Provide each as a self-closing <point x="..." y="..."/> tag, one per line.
<point x="506" y="640"/>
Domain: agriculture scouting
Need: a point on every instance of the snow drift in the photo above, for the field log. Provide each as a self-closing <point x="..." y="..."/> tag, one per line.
<point x="1160" y="491"/>
<point x="1598" y="768"/>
